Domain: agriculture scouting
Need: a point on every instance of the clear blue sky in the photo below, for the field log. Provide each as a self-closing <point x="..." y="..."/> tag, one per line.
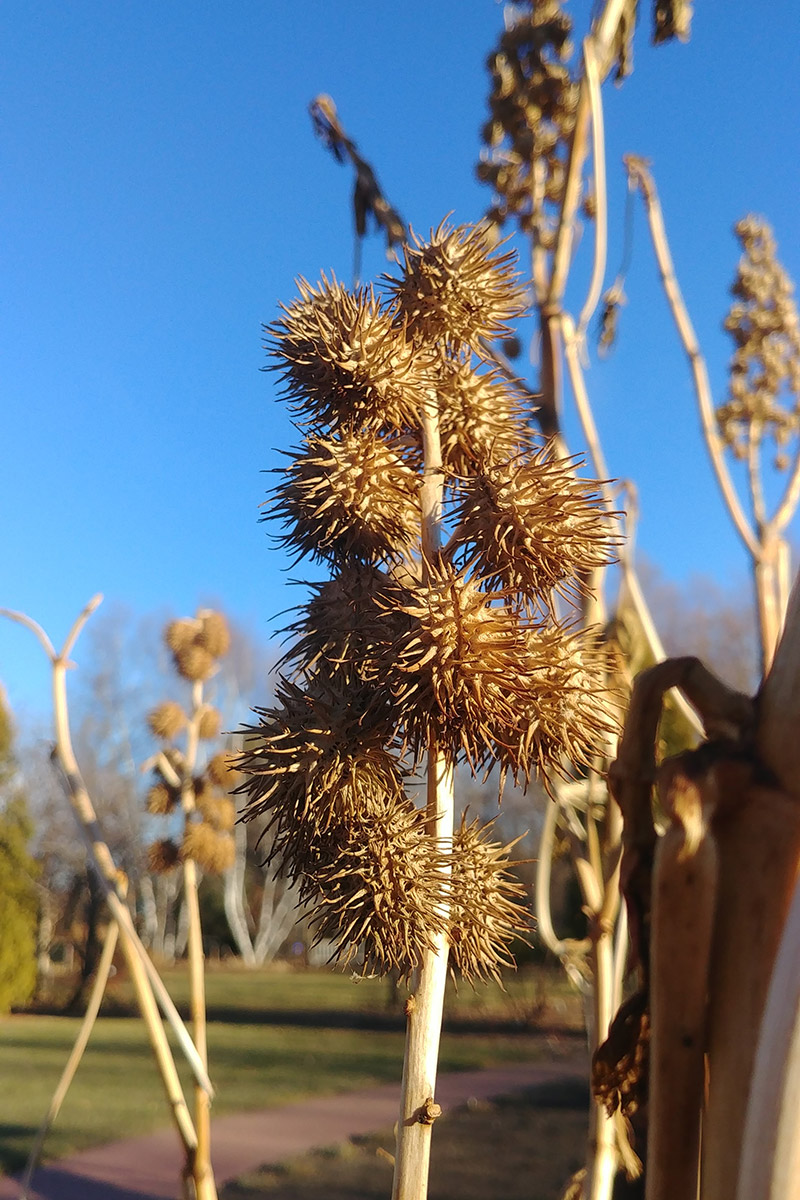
<point x="162" y="188"/>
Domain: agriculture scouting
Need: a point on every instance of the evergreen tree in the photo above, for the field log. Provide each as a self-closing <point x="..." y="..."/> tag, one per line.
<point x="18" y="901"/>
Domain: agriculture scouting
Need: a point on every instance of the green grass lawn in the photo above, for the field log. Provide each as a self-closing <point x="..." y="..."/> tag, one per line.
<point x="260" y="1054"/>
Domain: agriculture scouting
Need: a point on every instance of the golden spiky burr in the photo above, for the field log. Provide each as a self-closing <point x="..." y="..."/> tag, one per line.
<point x="457" y="666"/>
<point x="353" y="619"/>
<point x="208" y="723"/>
<point x="348" y="496"/>
<point x="222" y="770"/>
<point x="487" y="912"/>
<point x="532" y="526"/>
<point x="317" y="761"/>
<point x="454" y="289"/>
<point x="377" y="887"/>
<point x="213" y="634"/>
<point x="345" y="360"/>
<point x="167" y="720"/>
<point x="480" y="418"/>
<point x="162" y="799"/>
<point x="162" y="856"/>
<point x="213" y="851"/>
<point x="195" y="663"/>
<point x="180" y="633"/>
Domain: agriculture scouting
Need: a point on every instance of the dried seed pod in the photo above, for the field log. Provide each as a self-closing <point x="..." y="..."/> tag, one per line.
<point x="346" y="361"/>
<point x="213" y="634"/>
<point x="167" y="720"/>
<point x="180" y="634"/>
<point x="222" y="769"/>
<point x="486" y="909"/>
<point x="162" y="856"/>
<point x="317" y="761"/>
<point x="194" y="663"/>
<point x="161" y="799"/>
<point x="532" y="526"/>
<point x="348" y="496"/>
<point x="378" y="887"/>
<point x="455" y="288"/>
<point x="480" y="418"/>
<point x="212" y="851"/>
<point x="208" y="723"/>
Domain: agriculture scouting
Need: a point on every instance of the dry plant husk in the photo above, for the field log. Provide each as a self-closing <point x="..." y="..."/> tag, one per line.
<point x="346" y="361"/>
<point x="455" y="289"/>
<point x="213" y="851"/>
<point x="487" y="909"/>
<point x="162" y="799"/>
<point x="532" y="526"/>
<point x="350" y="619"/>
<point x="208" y="723"/>
<point x="315" y="763"/>
<point x="480" y="415"/>
<point x="348" y="496"/>
<point x="194" y="662"/>
<point x="213" y="634"/>
<point x="377" y="887"/>
<point x="166" y="720"/>
<point x="162" y="856"/>
<point x="222" y="769"/>
<point x="181" y="633"/>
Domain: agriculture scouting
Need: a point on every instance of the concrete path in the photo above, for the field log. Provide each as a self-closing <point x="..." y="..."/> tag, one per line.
<point x="148" y="1168"/>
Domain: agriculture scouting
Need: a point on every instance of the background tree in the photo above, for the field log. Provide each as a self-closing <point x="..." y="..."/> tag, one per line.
<point x="18" y="894"/>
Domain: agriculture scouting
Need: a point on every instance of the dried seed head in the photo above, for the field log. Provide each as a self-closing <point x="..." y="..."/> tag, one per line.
<point x="317" y="761"/>
<point x="194" y="663"/>
<point x="348" y="496"/>
<point x="567" y="714"/>
<point x="167" y="720"/>
<point x="208" y="723"/>
<point x="345" y="360"/>
<point x="486" y="912"/>
<point x="213" y="634"/>
<point x="350" y="619"/>
<point x="180" y="634"/>
<point x="481" y="418"/>
<point x="222" y="769"/>
<point x="162" y="857"/>
<point x="217" y="809"/>
<point x="455" y="289"/>
<point x="533" y="526"/>
<point x="458" y="664"/>
<point x="378" y="887"/>
<point x="161" y="799"/>
<point x="214" y="852"/>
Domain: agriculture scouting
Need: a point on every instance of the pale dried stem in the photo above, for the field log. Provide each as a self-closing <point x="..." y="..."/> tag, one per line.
<point x="425" y="1006"/>
<point x="754" y="480"/>
<point x="567" y="950"/>
<point x="600" y="194"/>
<point x="642" y="178"/>
<point x="149" y="985"/>
<point x="73" y="1062"/>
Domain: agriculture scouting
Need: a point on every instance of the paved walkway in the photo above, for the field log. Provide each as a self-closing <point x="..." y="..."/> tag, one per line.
<point x="148" y="1168"/>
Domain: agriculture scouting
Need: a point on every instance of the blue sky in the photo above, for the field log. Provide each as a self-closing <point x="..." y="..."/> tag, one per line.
<point x="162" y="188"/>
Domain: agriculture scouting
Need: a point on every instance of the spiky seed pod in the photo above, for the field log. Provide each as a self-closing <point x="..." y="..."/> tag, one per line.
<point x="378" y="887"/>
<point x="162" y="856"/>
<point x="567" y="714"/>
<point x="455" y="289"/>
<point x="167" y="720"/>
<point x="486" y="909"/>
<point x="214" y="852"/>
<point x="458" y="666"/>
<point x="161" y="799"/>
<point x="216" y="808"/>
<point x="480" y="418"/>
<point x="533" y="527"/>
<point x="194" y="663"/>
<point x="180" y="634"/>
<point x="348" y="496"/>
<point x="222" y="769"/>
<point x="213" y="634"/>
<point x="350" y="619"/>
<point x="208" y="723"/>
<point x="318" y="761"/>
<point x="346" y="361"/>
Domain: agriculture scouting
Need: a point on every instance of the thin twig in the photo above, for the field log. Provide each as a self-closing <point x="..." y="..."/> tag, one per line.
<point x="600" y="194"/>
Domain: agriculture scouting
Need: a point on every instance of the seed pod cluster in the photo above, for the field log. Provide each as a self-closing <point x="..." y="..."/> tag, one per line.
<point x="197" y="644"/>
<point x="532" y="107"/>
<point x="764" y="391"/>
<point x="401" y="649"/>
